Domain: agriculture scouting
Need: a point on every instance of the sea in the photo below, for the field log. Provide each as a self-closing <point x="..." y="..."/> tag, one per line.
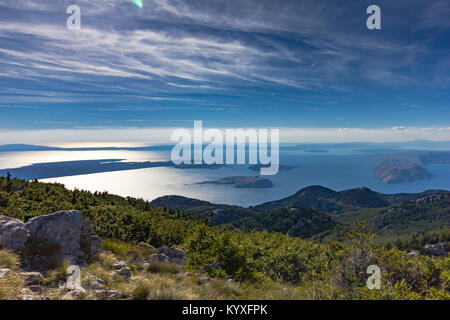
<point x="337" y="169"/>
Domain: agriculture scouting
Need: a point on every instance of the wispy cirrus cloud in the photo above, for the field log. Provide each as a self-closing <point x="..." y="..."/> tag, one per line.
<point x="246" y="55"/>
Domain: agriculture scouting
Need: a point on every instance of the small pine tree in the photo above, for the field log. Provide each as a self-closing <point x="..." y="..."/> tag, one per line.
<point x="211" y="218"/>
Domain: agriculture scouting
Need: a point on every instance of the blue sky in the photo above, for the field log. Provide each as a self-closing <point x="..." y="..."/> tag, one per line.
<point x="231" y="63"/>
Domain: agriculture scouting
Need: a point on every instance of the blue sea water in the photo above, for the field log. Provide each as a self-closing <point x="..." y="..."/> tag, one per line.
<point x="337" y="169"/>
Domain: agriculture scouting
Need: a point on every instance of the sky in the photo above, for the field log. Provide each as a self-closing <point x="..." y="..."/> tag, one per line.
<point x="138" y="69"/>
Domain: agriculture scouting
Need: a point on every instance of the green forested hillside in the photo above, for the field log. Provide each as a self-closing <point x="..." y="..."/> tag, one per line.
<point x="430" y="212"/>
<point x="321" y="213"/>
<point x="297" y="222"/>
<point x="276" y="262"/>
<point x="330" y="201"/>
<point x="222" y="213"/>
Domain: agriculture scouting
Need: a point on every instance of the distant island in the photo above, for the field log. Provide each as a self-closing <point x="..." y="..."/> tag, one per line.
<point x="243" y="182"/>
<point x="72" y="168"/>
<point x="408" y="165"/>
<point x="257" y="167"/>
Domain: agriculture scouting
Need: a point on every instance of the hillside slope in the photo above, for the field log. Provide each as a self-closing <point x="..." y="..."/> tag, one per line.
<point x="262" y="264"/>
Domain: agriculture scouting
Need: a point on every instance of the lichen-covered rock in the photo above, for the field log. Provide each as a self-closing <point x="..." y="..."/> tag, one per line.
<point x="13" y="234"/>
<point x="4" y="272"/>
<point x="96" y="245"/>
<point x="62" y="228"/>
<point x="74" y="294"/>
<point x="100" y="292"/>
<point x="119" y="265"/>
<point x="204" y="280"/>
<point x="39" y="263"/>
<point x="175" y="256"/>
<point x="35" y="288"/>
<point x="124" y="272"/>
<point x="158" y="257"/>
<point x="94" y="282"/>
<point x="146" y="245"/>
<point x="113" y="295"/>
<point x="436" y="249"/>
<point x="32" y="278"/>
<point x="214" y="265"/>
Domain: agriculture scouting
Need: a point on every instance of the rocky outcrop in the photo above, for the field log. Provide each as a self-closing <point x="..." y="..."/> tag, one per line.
<point x="146" y="245"/>
<point x="94" y="283"/>
<point x="436" y="249"/>
<point x="13" y="234"/>
<point x="203" y="279"/>
<point x="122" y="269"/>
<point x="65" y="229"/>
<point x="4" y="272"/>
<point x="171" y="255"/>
<point x="215" y="265"/>
<point x="31" y="278"/>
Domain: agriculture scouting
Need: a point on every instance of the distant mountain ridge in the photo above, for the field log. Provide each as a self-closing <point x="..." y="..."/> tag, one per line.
<point x="25" y="147"/>
<point x="319" y="212"/>
<point x="222" y="213"/>
<point x="327" y="200"/>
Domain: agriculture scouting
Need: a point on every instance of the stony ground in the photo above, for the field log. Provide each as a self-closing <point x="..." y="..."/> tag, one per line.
<point x="109" y="276"/>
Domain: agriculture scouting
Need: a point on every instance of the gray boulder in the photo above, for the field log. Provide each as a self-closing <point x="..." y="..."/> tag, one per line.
<point x="39" y="263"/>
<point x="175" y="256"/>
<point x="125" y="272"/>
<point x="4" y="272"/>
<point x="436" y="249"/>
<point x="121" y="269"/>
<point x="13" y="234"/>
<point x="158" y="257"/>
<point x="74" y="294"/>
<point x="32" y="278"/>
<point x="119" y="265"/>
<point x="113" y="295"/>
<point x="94" y="282"/>
<point x="66" y="229"/>
<point x="62" y="227"/>
<point x="146" y="245"/>
<point x="203" y="279"/>
<point x="214" y="265"/>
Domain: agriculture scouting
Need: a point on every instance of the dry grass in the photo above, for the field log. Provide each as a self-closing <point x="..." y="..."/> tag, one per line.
<point x="162" y="267"/>
<point x="160" y="281"/>
<point x="10" y="287"/>
<point x="9" y="260"/>
<point x="120" y="248"/>
<point x="12" y="284"/>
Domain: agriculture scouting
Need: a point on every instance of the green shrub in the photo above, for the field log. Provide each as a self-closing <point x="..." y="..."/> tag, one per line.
<point x="121" y="248"/>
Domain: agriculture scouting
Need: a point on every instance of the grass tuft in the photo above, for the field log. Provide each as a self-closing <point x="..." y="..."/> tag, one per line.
<point x="121" y="248"/>
<point x="161" y="267"/>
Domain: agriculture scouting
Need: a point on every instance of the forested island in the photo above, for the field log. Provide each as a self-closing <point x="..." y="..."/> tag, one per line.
<point x="243" y="182"/>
